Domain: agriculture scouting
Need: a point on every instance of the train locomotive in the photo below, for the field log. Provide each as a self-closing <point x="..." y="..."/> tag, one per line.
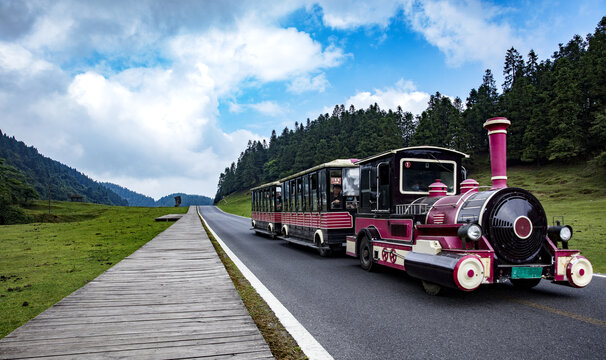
<point x="414" y="209"/>
<point x="419" y="214"/>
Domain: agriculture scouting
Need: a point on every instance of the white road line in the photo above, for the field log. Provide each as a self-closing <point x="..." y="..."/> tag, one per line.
<point x="600" y="275"/>
<point x="310" y="346"/>
<point x="221" y="210"/>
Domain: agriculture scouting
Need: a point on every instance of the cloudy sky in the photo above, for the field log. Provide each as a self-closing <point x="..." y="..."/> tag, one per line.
<point x="161" y="96"/>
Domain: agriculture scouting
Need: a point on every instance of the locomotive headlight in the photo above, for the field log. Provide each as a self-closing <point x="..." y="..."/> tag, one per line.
<point x="565" y="233"/>
<point x="560" y="232"/>
<point x="471" y="232"/>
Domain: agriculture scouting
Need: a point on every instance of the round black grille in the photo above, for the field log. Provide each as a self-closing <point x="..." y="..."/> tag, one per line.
<point x="500" y="216"/>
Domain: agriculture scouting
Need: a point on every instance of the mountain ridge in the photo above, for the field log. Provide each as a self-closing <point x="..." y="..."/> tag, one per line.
<point x="136" y="199"/>
<point x="48" y="175"/>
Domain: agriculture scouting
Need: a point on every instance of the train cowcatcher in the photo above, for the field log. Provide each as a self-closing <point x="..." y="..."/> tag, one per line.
<point x="450" y="234"/>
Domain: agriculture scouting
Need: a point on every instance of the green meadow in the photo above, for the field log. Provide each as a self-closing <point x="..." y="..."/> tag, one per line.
<point x="237" y="203"/>
<point x="42" y="262"/>
<point x="575" y="192"/>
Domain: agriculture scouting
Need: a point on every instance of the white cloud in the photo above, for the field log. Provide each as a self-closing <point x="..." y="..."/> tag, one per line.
<point x="302" y="84"/>
<point x="14" y="57"/>
<point x="156" y="128"/>
<point x="270" y="108"/>
<point x="235" y="108"/>
<point x="403" y="94"/>
<point x="345" y="14"/>
<point x="160" y="107"/>
<point x="146" y="124"/>
<point x="463" y="31"/>
<point x="257" y="52"/>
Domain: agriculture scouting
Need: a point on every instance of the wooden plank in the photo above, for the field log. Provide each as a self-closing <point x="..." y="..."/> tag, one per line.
<point x="241" y="343"/>
<point x="154" y="351"/>
<point x="170" y="299"/>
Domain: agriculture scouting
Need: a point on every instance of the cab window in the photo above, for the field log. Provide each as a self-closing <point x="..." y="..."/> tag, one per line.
<point x="417" y="175"/>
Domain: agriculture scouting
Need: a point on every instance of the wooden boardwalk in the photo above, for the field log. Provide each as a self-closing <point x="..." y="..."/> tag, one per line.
<point x="170" y="299"/>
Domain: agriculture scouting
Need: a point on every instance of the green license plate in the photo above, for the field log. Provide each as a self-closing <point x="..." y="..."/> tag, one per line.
<point x="526" y="272"/>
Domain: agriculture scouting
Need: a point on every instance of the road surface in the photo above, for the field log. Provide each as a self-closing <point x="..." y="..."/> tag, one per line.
<point x="385" y="314"/>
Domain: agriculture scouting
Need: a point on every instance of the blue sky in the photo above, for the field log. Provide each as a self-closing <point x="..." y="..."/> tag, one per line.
<point x="161" y="96"/>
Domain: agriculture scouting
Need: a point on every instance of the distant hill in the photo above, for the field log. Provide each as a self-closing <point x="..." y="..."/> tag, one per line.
<point x="133" y="198"/>
<point x="43" y="173"/>
<point x="186" y="200"/>
<point x="136" y="199"/>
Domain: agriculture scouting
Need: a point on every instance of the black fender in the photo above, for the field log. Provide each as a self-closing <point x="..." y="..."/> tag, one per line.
<point x="371" y="233"/>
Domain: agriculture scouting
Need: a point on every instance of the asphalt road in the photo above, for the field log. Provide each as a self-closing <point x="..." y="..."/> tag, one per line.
<point x="385" y="314"/>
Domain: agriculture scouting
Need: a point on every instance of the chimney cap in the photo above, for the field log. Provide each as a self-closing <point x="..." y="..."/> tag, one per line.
<point x="437" y="188"/>
<point x="469" y="185"/>
<point x="502" y="121"/>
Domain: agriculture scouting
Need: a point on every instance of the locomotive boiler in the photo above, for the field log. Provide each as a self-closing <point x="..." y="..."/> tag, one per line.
<point x="419" y="214"/>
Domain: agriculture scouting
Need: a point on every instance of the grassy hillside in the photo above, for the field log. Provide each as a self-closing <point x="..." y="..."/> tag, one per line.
<point x="236" y="203"/>
<point x="41" y="263"/>
<point x="572" y="191"/>
<point x="46" y="174"/>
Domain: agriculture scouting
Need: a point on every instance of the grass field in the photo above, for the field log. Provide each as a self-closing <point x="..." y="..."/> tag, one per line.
<point x="572" y="191"/>
<point x="41" y="263"/>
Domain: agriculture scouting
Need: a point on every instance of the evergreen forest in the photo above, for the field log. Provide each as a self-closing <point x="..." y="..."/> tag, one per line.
<point x="15" y="192"/>
<point x="557" y="107"/>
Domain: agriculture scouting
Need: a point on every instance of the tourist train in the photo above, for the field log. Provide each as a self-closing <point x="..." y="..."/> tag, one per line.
<point x="414" y="209"/>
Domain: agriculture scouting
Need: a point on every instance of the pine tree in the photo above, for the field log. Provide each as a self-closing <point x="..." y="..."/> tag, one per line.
<point x="532" y="67"/>
<point x="481" y="105"/>
<point x="514" y="68"/>
<point x="407" y="126"/>
<point x="14" y="191"/>
<point x="438" y="124"/>
<point x="564" y="114"/>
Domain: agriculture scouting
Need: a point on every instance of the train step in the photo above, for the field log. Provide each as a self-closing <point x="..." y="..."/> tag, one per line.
<point x="299" y="241"/>
<point x="264" y="232"/>
<point x="323" y="250"/>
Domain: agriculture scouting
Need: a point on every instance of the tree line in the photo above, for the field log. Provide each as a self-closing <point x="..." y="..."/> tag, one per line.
<point x="557" y="107"/>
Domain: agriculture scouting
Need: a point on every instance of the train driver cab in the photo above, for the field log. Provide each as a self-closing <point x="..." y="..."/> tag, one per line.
<point x="402" y="176"/>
